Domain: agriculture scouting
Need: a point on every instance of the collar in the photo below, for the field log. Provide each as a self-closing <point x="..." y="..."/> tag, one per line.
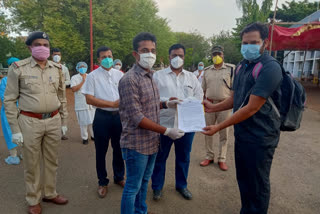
<point x="169" y="70"/>
<point x="222" y="67"/>
<point x="34" y="63"/>
<point x="141" y="71"/>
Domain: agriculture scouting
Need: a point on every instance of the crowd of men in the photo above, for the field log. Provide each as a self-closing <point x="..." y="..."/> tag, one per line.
<point x="136" y="111"/>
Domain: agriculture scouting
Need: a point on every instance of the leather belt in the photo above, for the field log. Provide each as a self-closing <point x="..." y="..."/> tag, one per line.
<point x="38" y="115"/>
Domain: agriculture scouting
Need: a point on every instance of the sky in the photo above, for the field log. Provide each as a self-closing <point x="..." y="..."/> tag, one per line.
<point x="206" y="16"/>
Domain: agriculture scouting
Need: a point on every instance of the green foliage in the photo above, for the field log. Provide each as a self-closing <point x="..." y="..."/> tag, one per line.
<point x="13" y="47"/>
<point x="252" y="12"/>
<point x="115" y="23"/>
<point x="295" y="11"/>
<point x="197" y="48"/>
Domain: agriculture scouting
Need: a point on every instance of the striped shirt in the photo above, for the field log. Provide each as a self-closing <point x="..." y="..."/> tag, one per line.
<point x="139" y="98"/>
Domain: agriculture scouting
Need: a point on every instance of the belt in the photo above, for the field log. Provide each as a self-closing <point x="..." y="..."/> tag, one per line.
<point x="107" y="112"/>
<point x="38" y="115"/>
<point x="212" y="101"/>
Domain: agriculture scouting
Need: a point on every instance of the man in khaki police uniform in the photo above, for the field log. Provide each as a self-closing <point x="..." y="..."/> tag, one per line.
<point x="216" y="84"/>
<point x="38" y="86"/>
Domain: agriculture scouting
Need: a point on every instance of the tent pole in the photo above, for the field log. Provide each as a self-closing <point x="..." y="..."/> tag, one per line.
<point x="273" y="21"/>
<point x="304" y="61"/>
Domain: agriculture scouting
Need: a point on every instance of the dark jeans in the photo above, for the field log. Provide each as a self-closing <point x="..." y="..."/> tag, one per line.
<point x="253" y="164"/>
<point x="182" y="148"/>
<point x="139" y="169"/>
<point x="106" y="126"/>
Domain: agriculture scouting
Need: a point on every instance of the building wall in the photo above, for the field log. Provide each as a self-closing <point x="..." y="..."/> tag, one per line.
<point x="294" y="63"/>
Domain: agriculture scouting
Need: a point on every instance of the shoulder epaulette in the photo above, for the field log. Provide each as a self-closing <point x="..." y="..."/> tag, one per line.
<point x="209" y="67"/>
<point x="20" y="63"/>
<point x="230" y="65"/>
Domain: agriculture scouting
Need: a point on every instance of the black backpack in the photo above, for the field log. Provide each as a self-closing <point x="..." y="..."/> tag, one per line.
<point x="293" y="98"/>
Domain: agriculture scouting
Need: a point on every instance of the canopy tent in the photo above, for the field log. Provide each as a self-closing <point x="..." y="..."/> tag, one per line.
<point x="305" y="37"/>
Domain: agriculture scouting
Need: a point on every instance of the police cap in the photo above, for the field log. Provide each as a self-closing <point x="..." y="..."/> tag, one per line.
<point x="217" y="48"/>
<point x="36" y="35"/>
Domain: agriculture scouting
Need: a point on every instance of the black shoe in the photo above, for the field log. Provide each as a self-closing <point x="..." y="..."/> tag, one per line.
<point x="185" y="193"/>
<point x="85" y="142"/>
<point x="92" y="138"/>
<point x="157" y="194"/>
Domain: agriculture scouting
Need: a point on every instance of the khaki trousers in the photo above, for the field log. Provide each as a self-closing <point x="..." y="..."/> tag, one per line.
<point x="41" y="141"/>
<point x="211" y="119"/>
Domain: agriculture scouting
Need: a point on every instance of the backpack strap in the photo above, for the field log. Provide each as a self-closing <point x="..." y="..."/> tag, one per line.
<point x="238" y="69"/>
<point x="256" y="70"/>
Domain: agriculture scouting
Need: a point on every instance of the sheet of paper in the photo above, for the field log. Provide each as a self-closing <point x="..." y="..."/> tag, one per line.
<point x="191" y="116"/>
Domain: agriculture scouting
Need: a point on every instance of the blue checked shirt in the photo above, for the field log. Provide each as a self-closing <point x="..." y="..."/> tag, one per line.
<point x="139" y="98"/>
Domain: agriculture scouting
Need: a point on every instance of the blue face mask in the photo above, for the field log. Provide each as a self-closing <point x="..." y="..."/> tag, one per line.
<point x="82" y="70"/>
<point x="250" y="52"/>
<point x="107" y="62"/>
<point x="200" y="68"/>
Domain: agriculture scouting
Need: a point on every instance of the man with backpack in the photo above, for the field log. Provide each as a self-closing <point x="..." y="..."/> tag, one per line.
<point x="216" y="84"/>
<point x="255" y="98"/>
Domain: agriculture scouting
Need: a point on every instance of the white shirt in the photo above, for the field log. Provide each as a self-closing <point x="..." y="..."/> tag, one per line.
<point x="80" y="102"/>
<point x="200" y="78"/>
<point x="183" y="86"/>
<point x="103" y="85"/>
<point x="66" y="74"/>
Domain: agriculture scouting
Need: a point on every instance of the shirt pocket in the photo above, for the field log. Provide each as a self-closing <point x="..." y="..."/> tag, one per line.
<point x="188" y="89"/>
<point x="31" y="85"/>
<point x="226" y="79"/>
<point x="53" y="84"/>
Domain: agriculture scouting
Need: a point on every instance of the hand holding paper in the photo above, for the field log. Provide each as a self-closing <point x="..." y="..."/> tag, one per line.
<point x="191" y="116"/>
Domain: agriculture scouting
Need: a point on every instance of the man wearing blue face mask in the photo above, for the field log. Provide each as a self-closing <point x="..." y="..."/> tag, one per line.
<point x="85" y="113"/>
<point x="256" y="124"/>
<point x="101" y="91"/>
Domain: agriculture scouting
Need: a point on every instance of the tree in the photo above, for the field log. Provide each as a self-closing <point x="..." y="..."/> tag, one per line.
<point x="252" y="12"/>
<point x="197" y="48"/>
<point x="295" y="11"/>
<point x="115" y="23"/>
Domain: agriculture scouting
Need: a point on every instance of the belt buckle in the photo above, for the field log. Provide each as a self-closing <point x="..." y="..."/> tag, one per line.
<point x="46" y="115"/>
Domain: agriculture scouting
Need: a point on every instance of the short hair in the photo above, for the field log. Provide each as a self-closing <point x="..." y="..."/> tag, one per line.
<point x="256" y="26"/>
<point x="177" y="46"/>
<point x="102" y="49"/>
<point x="55" y="50"/>
<point x="144" y="36"/>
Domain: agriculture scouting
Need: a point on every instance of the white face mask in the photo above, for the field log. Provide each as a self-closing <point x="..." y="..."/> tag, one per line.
<point x="147" y="60"/>
<point x="177" y="62"/>
<point x="118" y="67"/>
<point x="56" y="58"/>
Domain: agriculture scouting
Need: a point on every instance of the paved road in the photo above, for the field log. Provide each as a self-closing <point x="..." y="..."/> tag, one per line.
<point x="295" y="178"/>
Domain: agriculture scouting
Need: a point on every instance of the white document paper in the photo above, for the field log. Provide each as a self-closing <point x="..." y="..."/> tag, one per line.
<point x="191" y="116"/>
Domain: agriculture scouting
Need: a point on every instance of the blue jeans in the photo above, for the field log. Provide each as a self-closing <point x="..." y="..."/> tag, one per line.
<point x="182" y="148"/>
<point x="139" y="169"/>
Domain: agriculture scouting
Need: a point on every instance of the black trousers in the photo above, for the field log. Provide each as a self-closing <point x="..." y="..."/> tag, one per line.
<point x="253" y="164"/>
<point x="106" y="126"/>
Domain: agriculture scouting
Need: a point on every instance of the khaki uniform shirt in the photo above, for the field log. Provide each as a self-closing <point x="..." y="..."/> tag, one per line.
<point x="36" y="90"/>
<point x="215" y="82"/>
